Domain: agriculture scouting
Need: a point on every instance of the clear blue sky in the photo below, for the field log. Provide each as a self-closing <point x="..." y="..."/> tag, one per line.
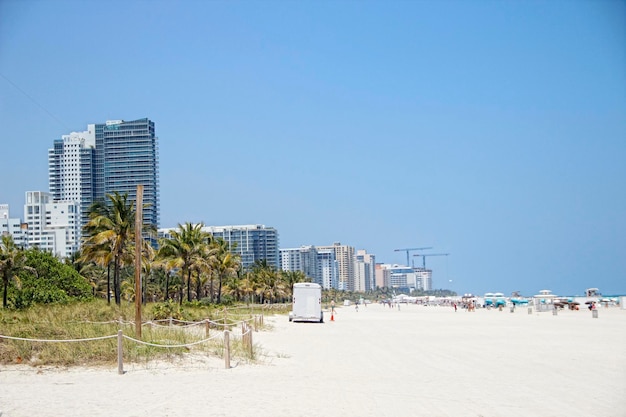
<point x="491" y="130"/>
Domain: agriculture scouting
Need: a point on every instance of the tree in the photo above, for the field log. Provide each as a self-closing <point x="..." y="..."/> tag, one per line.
<point x="111" y="228"/>
<point x="12" y="260"/>
<point x="268" y="284"/>
<point x="184" y="250"/>
<point x="224" y="263"/>
<point x="54" y="281"/>
<point x="293" y="277"/>
<point x="97" y="276"/>
<point x="148" y="264"/>
<point x="246" y="286"/>
<point x="101" y="256"/>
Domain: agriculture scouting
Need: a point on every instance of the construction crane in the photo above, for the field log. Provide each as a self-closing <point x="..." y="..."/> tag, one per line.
<point x="429" y="254"/>
<point x="407" y="250"/>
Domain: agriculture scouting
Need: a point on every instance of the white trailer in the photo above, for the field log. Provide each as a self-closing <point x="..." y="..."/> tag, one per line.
<point x="307" y="303"/>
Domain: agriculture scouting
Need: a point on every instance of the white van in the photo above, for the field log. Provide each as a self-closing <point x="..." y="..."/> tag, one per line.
<point x="307" y="303"/>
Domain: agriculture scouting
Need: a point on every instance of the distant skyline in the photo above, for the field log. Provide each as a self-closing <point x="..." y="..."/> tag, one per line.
<point x="492" y="131"/>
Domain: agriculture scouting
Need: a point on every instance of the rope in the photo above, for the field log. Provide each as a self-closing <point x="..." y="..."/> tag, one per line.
<point x="151" y="323"/>
<point x="56" y="340"/>
<point x="189" y="324"/>
<point x="170" y="346"/>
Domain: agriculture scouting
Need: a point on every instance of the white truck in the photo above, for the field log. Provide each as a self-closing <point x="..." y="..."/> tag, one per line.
<point x="307" y="303"/>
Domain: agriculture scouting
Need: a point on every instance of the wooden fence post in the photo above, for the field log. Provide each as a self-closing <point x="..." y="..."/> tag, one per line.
<point x="120" y="352"/>
<point x="207" y="325"/>
<point x="250" y="340"/>
<point x="227" y="349"/>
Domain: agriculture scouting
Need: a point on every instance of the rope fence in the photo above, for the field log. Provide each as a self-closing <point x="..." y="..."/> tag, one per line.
<point x="230" y="330"/>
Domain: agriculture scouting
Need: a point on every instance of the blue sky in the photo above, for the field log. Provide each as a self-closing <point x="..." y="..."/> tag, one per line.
<point x="491" y="130"/>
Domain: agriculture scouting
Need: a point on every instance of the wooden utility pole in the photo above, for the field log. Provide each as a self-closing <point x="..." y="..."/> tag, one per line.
<point x="138" y="247"/>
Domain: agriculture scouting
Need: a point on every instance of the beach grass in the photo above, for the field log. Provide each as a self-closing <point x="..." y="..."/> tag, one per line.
<point x="97" y="319"/>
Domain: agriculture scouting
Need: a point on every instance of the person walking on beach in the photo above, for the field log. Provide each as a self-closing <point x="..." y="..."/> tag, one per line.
<point x="332" y="306"/>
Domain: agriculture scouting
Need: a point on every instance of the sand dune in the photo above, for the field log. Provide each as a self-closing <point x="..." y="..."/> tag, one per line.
<point x="415" y="361"/>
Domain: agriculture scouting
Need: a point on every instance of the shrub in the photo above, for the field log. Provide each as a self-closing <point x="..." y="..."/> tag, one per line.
<point x="162" y="311"/>
<point x="55" y="282"/>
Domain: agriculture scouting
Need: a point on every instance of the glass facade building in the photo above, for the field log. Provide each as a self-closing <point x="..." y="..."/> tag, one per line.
<point x="251" y="242"/>
<point x="115" y="156"/>
<point x="303" y="259"/>
<point x="126" y="155"/>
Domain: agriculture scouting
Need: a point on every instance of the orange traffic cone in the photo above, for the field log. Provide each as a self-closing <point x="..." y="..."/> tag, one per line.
<point x="332" y="316"/>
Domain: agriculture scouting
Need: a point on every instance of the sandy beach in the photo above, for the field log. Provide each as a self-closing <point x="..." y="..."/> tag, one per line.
<point x="379" y="361"/>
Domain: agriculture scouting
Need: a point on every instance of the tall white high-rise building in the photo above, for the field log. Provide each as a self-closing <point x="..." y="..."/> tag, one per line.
<point x="318" y="264"/>
<point x="53" y="226"/>
<point x="110" y="157"/>
<point x="364" y="271"/>
<point x="69" y="163"/>
<point x="344" y="255"/>
<point x="328" y="268"/>
<point x="302" y="259"/>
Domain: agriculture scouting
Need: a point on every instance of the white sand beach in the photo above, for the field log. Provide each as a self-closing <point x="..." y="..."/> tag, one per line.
<point x="415" y="361"/>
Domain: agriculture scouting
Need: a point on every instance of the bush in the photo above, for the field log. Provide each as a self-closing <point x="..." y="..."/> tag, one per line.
<point x="55" y="282"/>
<point x="162" y="311"/>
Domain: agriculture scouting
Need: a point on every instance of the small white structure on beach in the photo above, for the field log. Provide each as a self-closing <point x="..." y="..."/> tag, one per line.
<point x="544" y="301"/>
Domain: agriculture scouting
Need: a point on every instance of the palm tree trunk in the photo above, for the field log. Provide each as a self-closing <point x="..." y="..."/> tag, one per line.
<point x="219" y="289"/>
<point x="109" y="283"/>
<point x="116" y="282"/>
<point x="181" y="292"/>
<point x="188" y="286"/>
<point x="167" y="286"/>
<point x="198" y="288"/>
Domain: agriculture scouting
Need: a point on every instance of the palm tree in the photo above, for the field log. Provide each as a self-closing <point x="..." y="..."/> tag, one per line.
<point x="247" y="286"/>
<point x="101" y="256"/>
<point x="224" y="263"/>
<point x="268" y="282"/>
<point x="293" y="277"/>
<point x="184" y="250"/>
<point x="128" y="289"/>
<point x="12" y="260"/>
<point x="158" y="285"/>
<point x="111" y="228"/>
<point x="97" y="277"/>
<point x="148" y="263"/>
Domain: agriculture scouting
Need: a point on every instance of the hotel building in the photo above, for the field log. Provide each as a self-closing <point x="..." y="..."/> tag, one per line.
<point x="52" y="226"/>
<point x="115" y="156"/>
<point x="251" y="242"/>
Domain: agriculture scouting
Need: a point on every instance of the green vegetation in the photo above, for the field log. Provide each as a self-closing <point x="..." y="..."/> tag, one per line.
<point x="191" y="277"/>
<point x="36" y="277"/>
<point x="97" y="319"/>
